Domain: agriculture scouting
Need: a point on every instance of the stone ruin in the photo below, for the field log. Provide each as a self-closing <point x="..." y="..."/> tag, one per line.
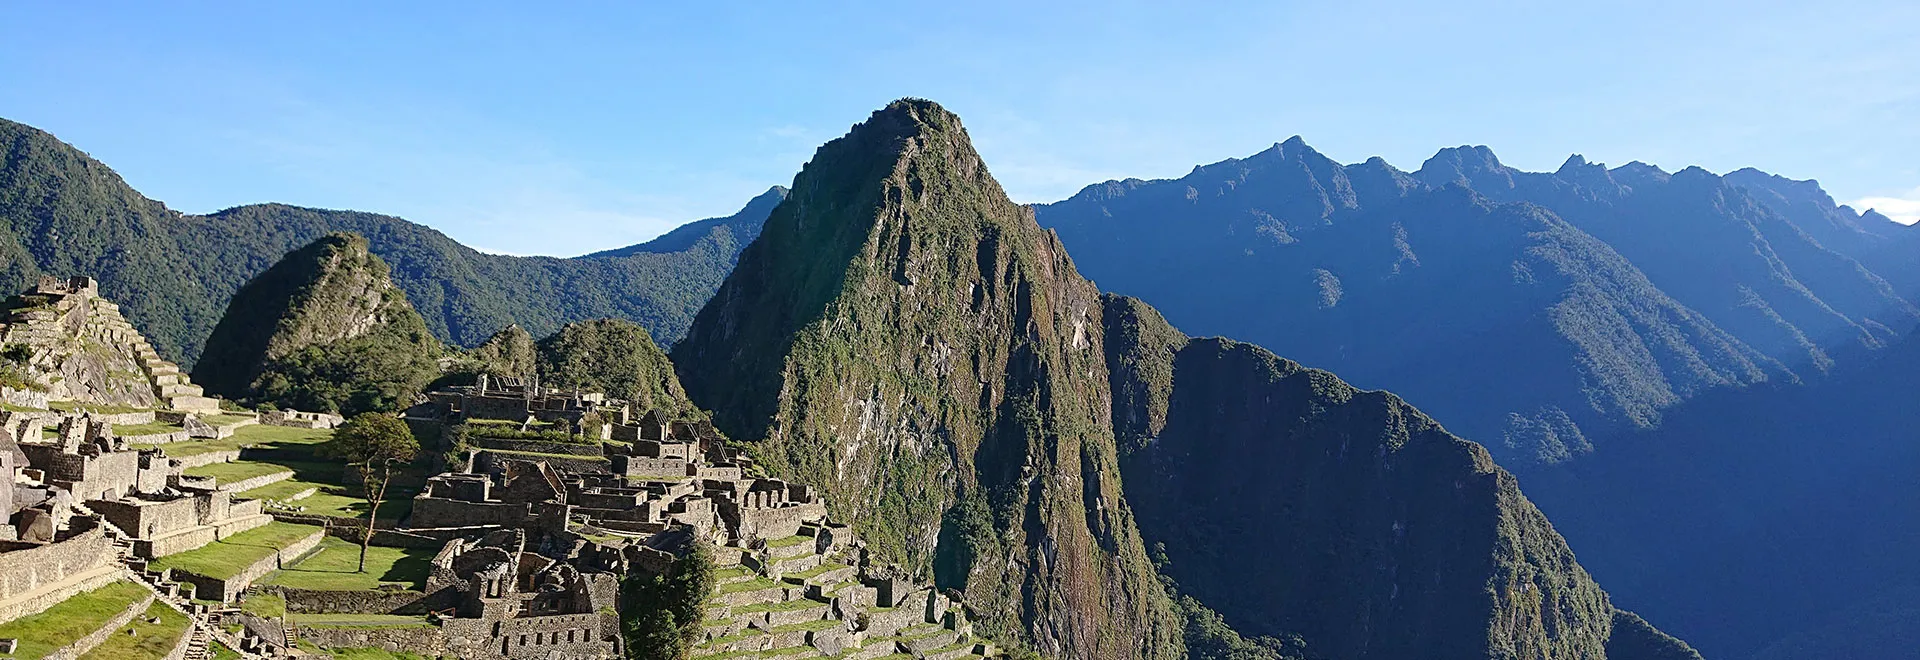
<point x="81" y="349"/>
<point x="789" y="578"/>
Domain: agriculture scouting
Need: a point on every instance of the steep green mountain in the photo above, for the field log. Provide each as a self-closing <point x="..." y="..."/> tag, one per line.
<point x="905" y="337"/>
<point x="908" y="338"/>
<point x="62" y="212"/>
<point x="616" y="357"/>
<point x="1601" y="297"/>
<point x="325" y="329"/>
<point x="1297" y="505"/>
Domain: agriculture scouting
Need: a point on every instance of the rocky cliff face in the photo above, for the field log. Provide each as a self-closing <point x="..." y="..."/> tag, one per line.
<point x="907" y="337"/>
<point x="324" y="328"/>
<point x="1295" y="504"/>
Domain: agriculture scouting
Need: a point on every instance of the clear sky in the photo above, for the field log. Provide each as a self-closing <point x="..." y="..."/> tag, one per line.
<point x="563" y="128"/>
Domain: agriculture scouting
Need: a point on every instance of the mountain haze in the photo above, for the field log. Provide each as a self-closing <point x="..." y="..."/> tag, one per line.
<point x="1599" y="297"/>
<point x="904" y="335"/>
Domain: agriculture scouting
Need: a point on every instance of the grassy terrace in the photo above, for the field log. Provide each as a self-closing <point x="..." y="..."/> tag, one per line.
<point x="755" y="584"/>
<point x="146" y="429"/>
<point x="70" y="620"/>
<point x="227" y="557"/>
<point x="789" y="542"/>
<point x="226" y="473"/>
<point x="147" y="641"/>
<point x="785" y="606"/>
<point x="333" y="567"/>
<point x="225" y="419"/>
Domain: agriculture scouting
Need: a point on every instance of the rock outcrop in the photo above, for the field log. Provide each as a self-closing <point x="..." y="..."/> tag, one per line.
<point x="324" y="329"/>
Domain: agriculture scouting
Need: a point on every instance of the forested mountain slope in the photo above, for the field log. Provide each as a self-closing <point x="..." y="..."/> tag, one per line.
<point x="61" y="212"/>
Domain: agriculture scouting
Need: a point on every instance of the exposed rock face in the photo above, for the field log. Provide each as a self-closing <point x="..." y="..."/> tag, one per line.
<point x="905" y="336"/>
<point x="323" y="329"/>
<point x="1294" y="503"/>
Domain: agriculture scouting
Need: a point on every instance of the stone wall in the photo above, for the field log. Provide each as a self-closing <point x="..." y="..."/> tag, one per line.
<point x="81" y="646"/>
<point x="24" y="570"/>
<point x="567" y="636"/>
<point x="157" y="438"/>
<point x="149" y="519"/>
<point x="208" y="458"/>
<point x="536" y="446"/>
<point x="225" y="590"/>
<point x="379" y="601"/>
<point x="486" y="460"/>
<point x="425" y="640"/>
<point x="439" y="512"/>
<point x="244" y="485"/>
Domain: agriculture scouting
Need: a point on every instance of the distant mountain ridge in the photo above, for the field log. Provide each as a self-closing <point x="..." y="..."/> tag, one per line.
<point x="64" y="212"/>
<point x="1595" y="297"/>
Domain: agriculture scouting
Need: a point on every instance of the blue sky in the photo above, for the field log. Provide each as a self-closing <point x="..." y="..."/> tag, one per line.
<point x="535" y="130"/>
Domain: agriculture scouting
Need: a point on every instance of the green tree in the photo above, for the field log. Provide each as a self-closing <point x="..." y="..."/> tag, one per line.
<point x="663" y="612"/>
<point x="373" y="443"/>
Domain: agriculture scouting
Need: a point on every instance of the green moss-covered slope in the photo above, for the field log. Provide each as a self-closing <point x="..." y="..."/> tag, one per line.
<point x="905" y="337"/>
<point x="324" y="329"/>
<point x="616" y="357"/>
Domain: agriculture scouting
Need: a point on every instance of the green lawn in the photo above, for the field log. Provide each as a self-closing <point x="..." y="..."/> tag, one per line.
<point x="72" y="619"/>
<point x="145" y="429"/>
<point x="282" y="435"/>
<point x="334" y="567"/>
<point x="225" y="419"/>
<point x="148" y="641"/>
<point x="226" y="473"/>
<point x="227" y="557"/>
<point x="267" y="604"/>
<point x="221" y="652"/>
<point x="789" y="541"/>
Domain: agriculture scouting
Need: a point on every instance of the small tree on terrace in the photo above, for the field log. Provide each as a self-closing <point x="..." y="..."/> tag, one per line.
<point x="372" y="444"/>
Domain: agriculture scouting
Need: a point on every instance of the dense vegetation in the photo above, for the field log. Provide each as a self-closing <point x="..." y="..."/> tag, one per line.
<point x="616" y="357"/>
<point x="326" y="330"/>
<point x="663" y="612"/>
<point x="63" y="213"/>
<point x="1600" y="297"/>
